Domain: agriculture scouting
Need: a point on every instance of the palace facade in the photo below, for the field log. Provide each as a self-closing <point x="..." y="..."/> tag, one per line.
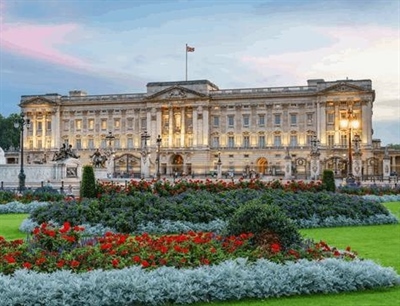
<point x="249" y="130"/>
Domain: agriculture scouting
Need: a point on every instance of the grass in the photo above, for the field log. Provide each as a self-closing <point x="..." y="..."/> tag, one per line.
<point x="380" y="243"/>
<point x="9" y="224"/>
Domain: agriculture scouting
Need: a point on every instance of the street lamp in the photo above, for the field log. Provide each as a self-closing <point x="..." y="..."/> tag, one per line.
<point x="19" y="123"/>
<point x="350" y="122"/>
<point x="110" y="137"/>
<point x="158" y="156"/>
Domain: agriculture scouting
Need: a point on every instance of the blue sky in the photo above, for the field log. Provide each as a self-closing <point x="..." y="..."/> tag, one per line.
<point x="118" y="46"/>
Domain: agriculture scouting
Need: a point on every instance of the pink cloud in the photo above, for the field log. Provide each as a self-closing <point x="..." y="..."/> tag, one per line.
<point x="39" y="42"/>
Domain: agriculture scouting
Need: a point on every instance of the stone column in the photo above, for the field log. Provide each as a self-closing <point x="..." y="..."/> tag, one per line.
<point x="288" y="165"/>
<point x="183" y="130"/>
<point x="386" y="165"/>
<point x="219" y="167"/>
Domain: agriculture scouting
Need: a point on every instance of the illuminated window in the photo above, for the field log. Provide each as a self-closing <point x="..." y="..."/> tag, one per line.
<point x="91" y="124"/>
<point x="117" y="123"/>
<point x="104" y="124"/>
<point x="331" y="140"/>
<point x="78" y="124"/>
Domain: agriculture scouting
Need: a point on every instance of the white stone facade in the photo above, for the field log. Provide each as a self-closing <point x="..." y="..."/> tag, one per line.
<point x="250" y="129"/>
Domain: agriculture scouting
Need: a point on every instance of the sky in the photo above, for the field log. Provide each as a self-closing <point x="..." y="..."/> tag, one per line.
<point x="118" y="46"/>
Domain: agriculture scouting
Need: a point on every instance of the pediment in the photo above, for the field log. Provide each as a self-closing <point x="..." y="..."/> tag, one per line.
<point x="38" y="101"/>
<point x="176" y="93"/>
<point x="343" y="87"/>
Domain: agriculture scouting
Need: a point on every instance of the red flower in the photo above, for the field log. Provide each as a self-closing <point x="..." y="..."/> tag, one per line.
<point x="115" y="262"/>
<point x="145" y="263"/>
<point x="136" y="258"/>
<point x="74" y="264"/>
<point x="10" y="259"/>
<point x="27" y="265"/>
<point x="275" y="248"/>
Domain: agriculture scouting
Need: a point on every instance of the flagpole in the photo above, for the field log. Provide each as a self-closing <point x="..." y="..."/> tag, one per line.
<point x="186" y="59"/>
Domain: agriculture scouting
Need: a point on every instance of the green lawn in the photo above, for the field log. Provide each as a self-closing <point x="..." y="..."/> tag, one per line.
<point x="9" y="224"/>
<point x="379" y="243"/>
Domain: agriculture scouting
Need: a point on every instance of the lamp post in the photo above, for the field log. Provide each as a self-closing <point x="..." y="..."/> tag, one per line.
<point x="158" y="157"/>
<point x="350" y="122"/>
<point x="19" y="123"/>
<point x="110" y="137"/>
<point x="144" y="165"/>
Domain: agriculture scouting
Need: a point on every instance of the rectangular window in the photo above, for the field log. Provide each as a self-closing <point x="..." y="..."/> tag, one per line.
<point x="246" y="141"/>
<point x="39" y="144"/>
<point x="246" y="120"/>
<point x="79" y="144"/>
<point x="104" y="124"/>
<point x="91" y="144"/>
<point x="78" y="125"/>
<point x="48" y="125"/>
<point x="215" y="142"/>
<point x="39" y="125"/>
<point x="190" y="141"/>
<point x="117" y="123"/>
<point x="261" y="120"/>
<point x="231" y="142"/>
<point x="293" y="119"/>
<point x="91" y="124"/>
<point x="143" y="123"/>
<point x="343" y="140"/>
<point x="331" y="118"/>
<point x="309" y="138"/>
<point x="293" y="140"/>
<point x="130" y="123"/>
<point x="130" y="143"/>
<point x="261" y="141"/>
<point x="277" y="140"/>
<point x="331" y="140"/>
<point x="309" y="119"/>
<point x="277" y="119"/>
<point x="117" y="143"/>
<point x="66" y="125"/>
<point x="231" y="121"/>
<point x="103" y="144"/>
<point x="216" y="121"/>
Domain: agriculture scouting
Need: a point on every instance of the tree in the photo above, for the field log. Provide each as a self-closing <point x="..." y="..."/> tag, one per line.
<point x="88" y="184"/>
<point x="9" y="135"/>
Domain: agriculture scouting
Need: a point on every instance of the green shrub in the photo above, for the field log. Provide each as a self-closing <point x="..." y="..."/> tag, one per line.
<point x="266" y="221"/>
<point x="328" y="180"/>
<point x="88" y="184"/>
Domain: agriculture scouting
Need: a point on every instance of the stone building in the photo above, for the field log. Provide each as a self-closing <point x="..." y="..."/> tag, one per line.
<point x="250" y="131"/>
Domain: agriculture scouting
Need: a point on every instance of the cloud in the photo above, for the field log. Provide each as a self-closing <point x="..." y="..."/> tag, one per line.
<point x="40" y="42"/>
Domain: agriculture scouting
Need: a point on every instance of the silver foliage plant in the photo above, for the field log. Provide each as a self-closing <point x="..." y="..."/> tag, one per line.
<point x="230" y="280"/>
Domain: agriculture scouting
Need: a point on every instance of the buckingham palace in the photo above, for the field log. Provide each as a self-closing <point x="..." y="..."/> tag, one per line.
<point x="192" y="127"/>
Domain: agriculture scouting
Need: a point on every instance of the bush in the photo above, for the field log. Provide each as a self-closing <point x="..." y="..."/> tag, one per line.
<point x="267" y="222"/>
<point x="328" y="180"/>
<point x="88" y="184"/>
